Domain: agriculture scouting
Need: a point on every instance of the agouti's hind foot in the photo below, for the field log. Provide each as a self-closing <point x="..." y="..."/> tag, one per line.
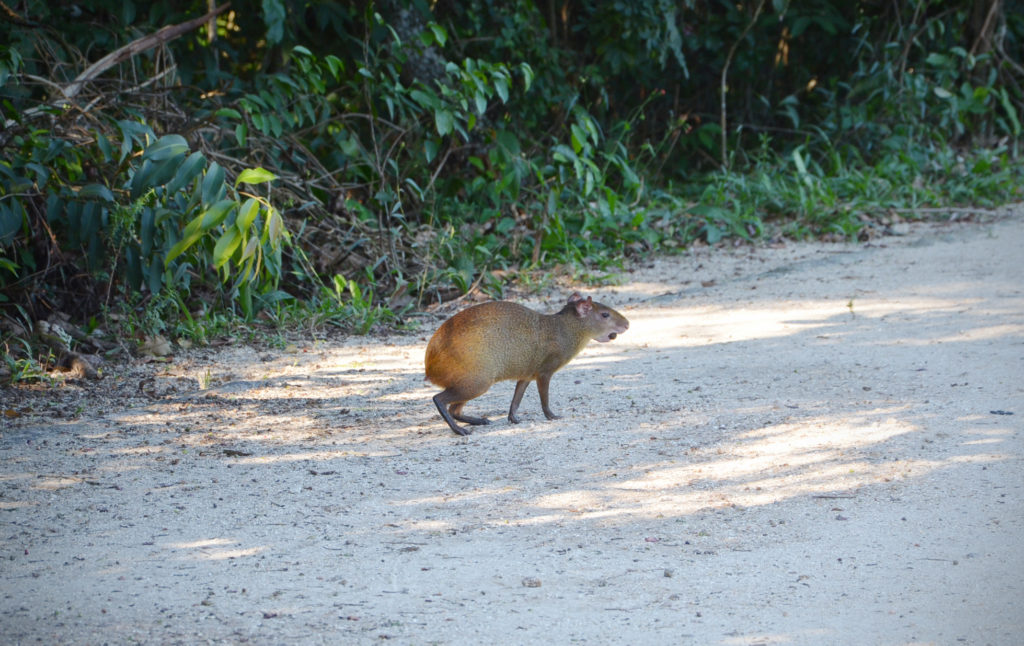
<point x="461" y="430"/>
<point x="475" y="421"/>
<point x="455" y="410"/>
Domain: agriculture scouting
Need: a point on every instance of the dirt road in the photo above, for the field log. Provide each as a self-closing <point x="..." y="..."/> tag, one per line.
<point x="814" y="444"/>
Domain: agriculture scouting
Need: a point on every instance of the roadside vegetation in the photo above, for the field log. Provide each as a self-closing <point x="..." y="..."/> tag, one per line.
<point x="171" y="172"/>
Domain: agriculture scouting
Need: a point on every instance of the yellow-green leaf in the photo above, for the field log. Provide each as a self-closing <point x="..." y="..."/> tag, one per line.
<point x="254" y="176"/>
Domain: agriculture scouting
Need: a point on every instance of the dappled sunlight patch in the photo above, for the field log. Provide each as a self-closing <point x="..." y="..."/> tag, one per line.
<point x="429" y="525"/>
<point x="763" y="466"/>
<point x="7" y="505"/>
<point x="981" y="333"/>
<point x="318" y="456"/>
<point x="987" y="436"/>
<point x="215" y="549"/>
<point x="707" y="325"/>
<point x="477" y="493"/>
<point x="12" y="477"/>
<point x="54" y="482"/>
<point x="418" y="395"/>
<point x="144" y="450"/>
<point x="822" y="433"/>
<point x="811" y="636"/>
<point x="682" y="492"/>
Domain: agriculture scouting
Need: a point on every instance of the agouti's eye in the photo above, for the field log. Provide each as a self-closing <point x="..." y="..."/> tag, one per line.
<point x="605" y="315"/>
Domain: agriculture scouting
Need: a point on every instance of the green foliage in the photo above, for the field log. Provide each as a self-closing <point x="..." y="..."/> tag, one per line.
<point x="348" y="304"/>
<point x="805" y="196"/>
<point x="161" y="222"/>
<point x="319" y="156"/>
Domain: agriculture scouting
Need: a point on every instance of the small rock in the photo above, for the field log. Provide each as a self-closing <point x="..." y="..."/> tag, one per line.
<point x="531" y="582"/>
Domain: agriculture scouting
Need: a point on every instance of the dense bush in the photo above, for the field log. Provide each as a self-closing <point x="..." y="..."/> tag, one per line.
<point x="162" y="168"/>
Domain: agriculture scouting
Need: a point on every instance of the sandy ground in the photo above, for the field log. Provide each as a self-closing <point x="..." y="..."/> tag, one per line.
<point x="811" y="444"/>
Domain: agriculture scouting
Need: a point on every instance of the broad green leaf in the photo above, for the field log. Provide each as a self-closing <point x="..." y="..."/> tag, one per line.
<point x="216" y="214"/>
<point x="192" y="166"/>
<point x="563" y="153"/>
<point x="10" y="221"/>
<point x="213" y="183"/>
<point x="440" y="35"/>
<point x="247" y="214"/>
<point x="96" y="192"/>
<point x="1011" y="111"/>
<point x="274" y="15"/>
<point x="225" y="247"/>
<point x="229" y="112"/>
<point x="166" y="147"/>
<point x="133" y="267"/>
<point x="140" y="180"/>
<point x="578" y="137"/>
<point x="336" y="66"/>
<point x="104" y="145"/>
<point x="250" y="249"/>
<point x="147" y="220"/>
<point x="527" y="75"/>
<point x="430" y="148"/>
<point x="275" y="227"/>
<point x="163" y="171"/>
<point x="155" y="279"/>
<point x="591" y="127"/>
<point x="445" y="121"/>
<point x="209" y="218"/>
<point x="254" y="176"/>
<point x="181" y="247"/>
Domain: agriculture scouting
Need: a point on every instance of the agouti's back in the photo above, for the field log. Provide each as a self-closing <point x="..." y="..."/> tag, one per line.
<point x="492" y="341"/>
<point x="500" y="340"/>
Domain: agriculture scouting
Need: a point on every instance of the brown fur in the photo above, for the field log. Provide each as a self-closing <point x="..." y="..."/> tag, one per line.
<point x="500" y="340"/>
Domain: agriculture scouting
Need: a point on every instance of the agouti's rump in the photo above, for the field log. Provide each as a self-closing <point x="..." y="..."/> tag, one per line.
<point x="498" y="341"/>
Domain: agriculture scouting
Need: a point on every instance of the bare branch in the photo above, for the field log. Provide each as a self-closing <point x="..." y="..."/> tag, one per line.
<point x="164" y="35"/>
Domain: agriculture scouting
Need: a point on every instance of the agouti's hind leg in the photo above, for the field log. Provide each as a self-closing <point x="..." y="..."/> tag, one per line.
<point x="442" y="400"/>
<point x="456" y="412"/>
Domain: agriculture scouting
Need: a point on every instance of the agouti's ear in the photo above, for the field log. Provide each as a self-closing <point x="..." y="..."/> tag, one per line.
<point x="575" y="297"/>
<point x="583" y="307"/>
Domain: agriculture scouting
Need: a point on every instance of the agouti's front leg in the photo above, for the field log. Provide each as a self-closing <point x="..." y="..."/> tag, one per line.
<point x="543" y="381"/>
<point x="516" y="398"/>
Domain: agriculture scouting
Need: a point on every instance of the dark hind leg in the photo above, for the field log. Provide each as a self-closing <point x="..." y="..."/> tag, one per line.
<point x="442" y="401"/>
<point x="456" y="412"/>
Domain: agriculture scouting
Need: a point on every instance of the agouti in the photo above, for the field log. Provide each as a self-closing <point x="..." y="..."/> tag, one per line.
<point x="496" y="341"/>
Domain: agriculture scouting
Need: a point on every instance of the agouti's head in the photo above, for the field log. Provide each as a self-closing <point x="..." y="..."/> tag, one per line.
<point x="603" y="322"/>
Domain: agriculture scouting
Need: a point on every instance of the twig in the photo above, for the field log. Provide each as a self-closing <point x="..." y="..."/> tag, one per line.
<point x="165" y="34"/>
<point x="984" y="33"/>
<point x="725" y="74"/>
